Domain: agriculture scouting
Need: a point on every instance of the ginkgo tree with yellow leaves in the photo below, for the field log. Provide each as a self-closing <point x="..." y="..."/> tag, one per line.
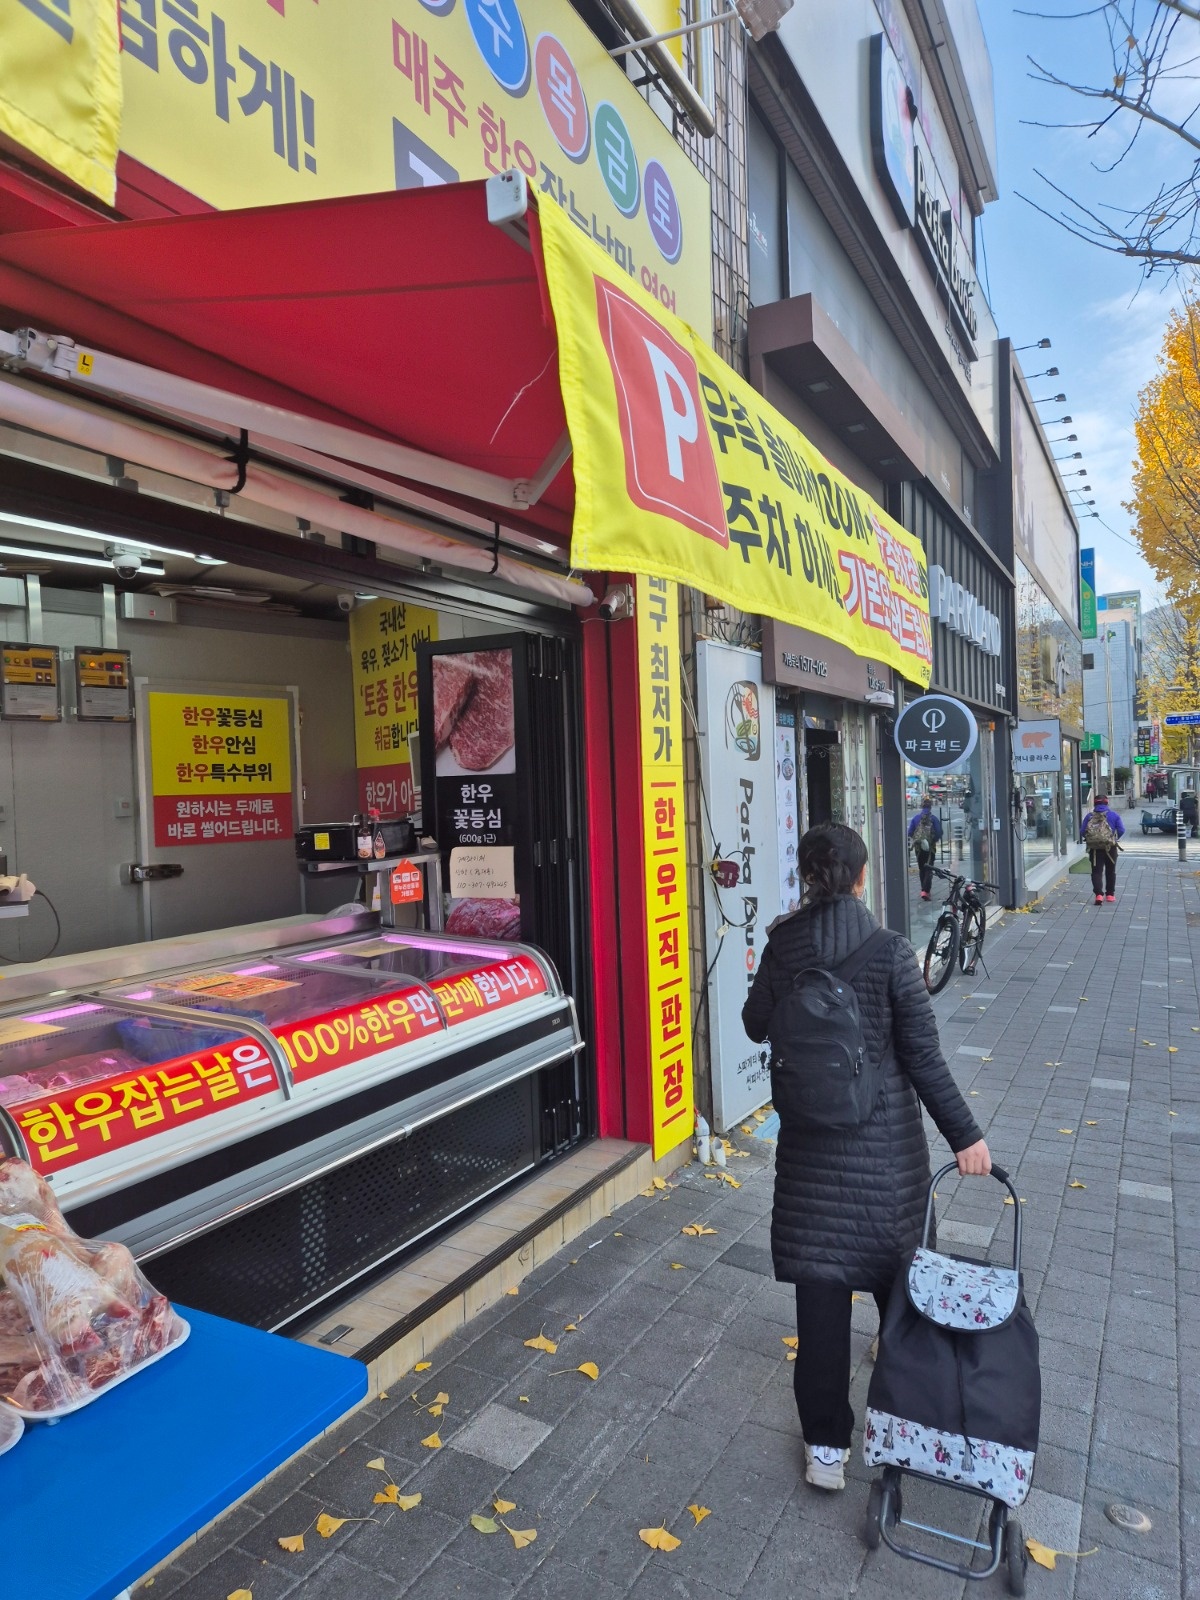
<point x="1166" y="479"/>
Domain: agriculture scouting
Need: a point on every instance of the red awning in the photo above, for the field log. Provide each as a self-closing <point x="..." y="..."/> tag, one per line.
<point x="406" y="315"/>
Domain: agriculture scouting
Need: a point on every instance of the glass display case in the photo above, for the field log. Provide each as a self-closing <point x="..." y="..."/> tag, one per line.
<point x="162" y="1106"/>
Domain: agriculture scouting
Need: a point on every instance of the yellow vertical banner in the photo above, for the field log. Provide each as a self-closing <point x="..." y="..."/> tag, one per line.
<point x="663" y="831"/>
<point x="384" y="635"/>
<point x="60" y="86"/>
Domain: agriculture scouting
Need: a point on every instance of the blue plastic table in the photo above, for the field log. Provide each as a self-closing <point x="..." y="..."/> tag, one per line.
<point x="88" y="1505"/>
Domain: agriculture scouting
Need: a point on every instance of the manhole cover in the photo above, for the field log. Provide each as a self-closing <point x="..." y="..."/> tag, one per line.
<point x="1129" y="1518"/>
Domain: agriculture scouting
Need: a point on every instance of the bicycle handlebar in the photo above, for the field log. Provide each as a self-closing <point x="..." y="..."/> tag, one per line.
<point x="961" y="877"/>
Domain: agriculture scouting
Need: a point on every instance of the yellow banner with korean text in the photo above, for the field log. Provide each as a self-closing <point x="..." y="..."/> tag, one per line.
<point x="60" y="86"/>
<point x="684" y="471"/>
<point x="668" y="988"/>
<point x="258" y="102"/>
<point x="384" y="635"/>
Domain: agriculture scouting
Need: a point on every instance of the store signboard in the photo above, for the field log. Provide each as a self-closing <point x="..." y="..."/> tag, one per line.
<point x="384" y="635"/>
<point x="1046" y="534"/>
<point x="254" y="102"/>
<point x="1087" y="593"/>
<point x="1037" y="746"/>
<point x="60" y="87"/>
<point x="220" y="767"/>
<point x="935" y="733"/>
<point x="737" y="723"/>
<point x="787" y="809"/>
<point x="683" y="471"/>
<point x="668" y="986"/>
<point x="797" y="658"/>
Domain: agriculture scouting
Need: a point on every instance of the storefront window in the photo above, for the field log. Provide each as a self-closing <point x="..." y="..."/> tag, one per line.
<point x="764" y="217"/>
<point x="1037" y="805"/>
<point x="1070" y="812"/>
<point x="959" y="803"/>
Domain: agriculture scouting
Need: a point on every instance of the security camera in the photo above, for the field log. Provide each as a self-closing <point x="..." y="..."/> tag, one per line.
<point x="617" y="602"/>
<point x="345" y="602"/>
<point x="126" y="563"/>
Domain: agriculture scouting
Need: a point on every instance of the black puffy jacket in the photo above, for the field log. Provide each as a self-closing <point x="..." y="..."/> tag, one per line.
<point x="849" y="1206"/>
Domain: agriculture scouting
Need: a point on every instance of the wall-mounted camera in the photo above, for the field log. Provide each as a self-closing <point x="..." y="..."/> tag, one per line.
<point x="345" y="602"/>
<point x="126" y="563"/>
<point x="617" y="603"/>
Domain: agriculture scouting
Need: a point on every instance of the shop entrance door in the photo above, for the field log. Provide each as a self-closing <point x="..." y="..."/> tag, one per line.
<point x="219" y="800"/>
<point x="822" y="776"/>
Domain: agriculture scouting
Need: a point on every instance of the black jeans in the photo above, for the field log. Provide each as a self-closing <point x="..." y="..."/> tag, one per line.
<point x="821" y="1376"/>
<point x="925" y="860"/>
<point x="1104" y="871"/>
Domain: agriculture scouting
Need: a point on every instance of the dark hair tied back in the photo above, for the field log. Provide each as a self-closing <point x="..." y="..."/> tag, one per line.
<point x="832" y="857"/>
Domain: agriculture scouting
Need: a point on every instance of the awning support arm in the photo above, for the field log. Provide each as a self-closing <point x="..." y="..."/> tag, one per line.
<point x="675" y="33"/>
<point x="531" y="490"/>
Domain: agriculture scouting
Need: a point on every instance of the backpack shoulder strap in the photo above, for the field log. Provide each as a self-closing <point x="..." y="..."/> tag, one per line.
<point x="849" y="969"/>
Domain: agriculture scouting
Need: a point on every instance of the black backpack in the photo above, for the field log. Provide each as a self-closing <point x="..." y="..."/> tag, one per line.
<point x="822" y="1074"/>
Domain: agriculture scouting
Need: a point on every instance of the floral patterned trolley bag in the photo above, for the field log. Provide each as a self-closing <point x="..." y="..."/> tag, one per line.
<point x="956" y="1391"/>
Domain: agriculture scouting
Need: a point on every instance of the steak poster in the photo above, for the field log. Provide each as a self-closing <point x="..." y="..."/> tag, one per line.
<point x="472" y="758"/>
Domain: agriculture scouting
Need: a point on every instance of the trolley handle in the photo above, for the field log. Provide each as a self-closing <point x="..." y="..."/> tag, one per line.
<point x="1001" y="1176"/>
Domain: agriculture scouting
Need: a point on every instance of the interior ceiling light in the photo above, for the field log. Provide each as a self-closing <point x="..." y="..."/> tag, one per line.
<point x="820" y="387"/>
<point x="78" y="558"/>
<point x="104" y="538"/>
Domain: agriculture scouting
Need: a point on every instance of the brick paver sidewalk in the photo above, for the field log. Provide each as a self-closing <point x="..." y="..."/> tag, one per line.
<point x="1080" y="1052"/>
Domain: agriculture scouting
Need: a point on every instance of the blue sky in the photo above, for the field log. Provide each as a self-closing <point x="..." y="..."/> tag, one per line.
<point x="1105" y="325"/>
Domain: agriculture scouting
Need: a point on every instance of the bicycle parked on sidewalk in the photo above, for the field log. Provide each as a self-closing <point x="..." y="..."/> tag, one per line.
<point x="959" y="931"/>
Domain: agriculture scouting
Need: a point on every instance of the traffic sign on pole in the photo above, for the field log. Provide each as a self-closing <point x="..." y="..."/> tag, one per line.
<point x="1183" y="719"/>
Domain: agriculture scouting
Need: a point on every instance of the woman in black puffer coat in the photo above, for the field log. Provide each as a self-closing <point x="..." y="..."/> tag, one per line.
<point x="849" y="1205"/>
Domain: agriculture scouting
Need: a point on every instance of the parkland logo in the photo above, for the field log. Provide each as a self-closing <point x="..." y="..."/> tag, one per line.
<point x="669" y="464"/>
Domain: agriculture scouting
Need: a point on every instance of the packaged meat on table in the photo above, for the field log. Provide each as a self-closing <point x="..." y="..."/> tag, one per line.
<point x="76" y="1316"/>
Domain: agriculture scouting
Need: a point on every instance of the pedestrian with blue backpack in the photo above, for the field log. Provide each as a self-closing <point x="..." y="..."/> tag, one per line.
<point x="924" y="836"/>
<point x="854" y="1056"/>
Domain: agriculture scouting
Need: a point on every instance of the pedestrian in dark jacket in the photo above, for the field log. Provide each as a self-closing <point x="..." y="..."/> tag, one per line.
<point x="924" y="835"/>
<point x="1101" y="830"/>
<point x="849" y="1205"/>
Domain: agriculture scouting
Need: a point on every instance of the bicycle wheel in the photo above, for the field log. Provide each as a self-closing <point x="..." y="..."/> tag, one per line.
<point x="973" y="929"/>
<point x="941" y="952"/>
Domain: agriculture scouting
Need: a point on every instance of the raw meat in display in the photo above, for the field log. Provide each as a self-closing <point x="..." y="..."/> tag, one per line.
<point x="452" y="683"/>
<point x="493" y="919"/>
<point x="69" y="1073"/>
<point x="485" y="730"/>
<point x="473" y="707"/>
<point x="74" y="1315"/>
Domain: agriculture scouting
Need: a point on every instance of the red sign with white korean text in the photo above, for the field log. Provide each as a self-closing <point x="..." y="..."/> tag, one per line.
<point x="479" y="990"/>
<point x="406" y="883"/>
<point x="79" y="1124"/>
<point x="206" y="819"/>
<point x="338" y="1038"/>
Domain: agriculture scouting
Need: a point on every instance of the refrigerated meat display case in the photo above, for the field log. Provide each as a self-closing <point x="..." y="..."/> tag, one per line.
<point x="263" y="1131"/>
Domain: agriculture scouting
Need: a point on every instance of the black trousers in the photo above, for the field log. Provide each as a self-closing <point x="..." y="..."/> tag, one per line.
<point x="925" y="860"/>
<point x="821" y="1376"/>
<point x="1104" y="871"/>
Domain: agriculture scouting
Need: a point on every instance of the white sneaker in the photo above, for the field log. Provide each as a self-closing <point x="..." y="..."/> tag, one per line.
<point x="824" y="1466"/>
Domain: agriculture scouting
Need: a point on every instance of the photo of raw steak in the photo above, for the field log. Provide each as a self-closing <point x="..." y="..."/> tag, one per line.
<point x="453" y="680"/>
<point x="485" y="729"/>
<point x="492" y="919"/>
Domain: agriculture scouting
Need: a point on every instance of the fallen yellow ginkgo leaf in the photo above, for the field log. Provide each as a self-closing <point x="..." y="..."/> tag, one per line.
<point x="432" y="1443"/>
<point x="483" y="1524"/>
<point x="746" y="1128"/>
<point x="422" y="1366"/>
<point x="1149" y="1042"/>
<point x="240" y="1594"/>
<point x="791" y="1355"/>
<point x="697" y="1229"/>
<point x="759" y="1116"/>
<point x="659" y="1538"/>
<point x="293" y="1542"/>
<point x="589" y="1369"/>
<point x="1091" y="1124"/>
<point x="407" y="1502"/>
<point x="389" y="1495"/>
<point x="541" y="1343"/>
<point x="1075" y="1184"/>
<point x="1066" y="1130"/>
<point x="524" y="1399"/>
<point x="520" y="1536"/>
<point x="441" y="1398"/>
<point x="571" y="1327"/>
<point x="378" y="1465"/>
<point x="503" y="1507"/>
<point x="658" y="1183"/>
<point x="677" y="1266"/>
<point x="1173" y="1049"/>
<point x="435" y="1410"/>
<point x="791" y="1340"/>
<point x="327" y="1526"/>
<point x="700" y="1512"/>
<point x="512" y="1291"/>
<point x="1045" y="1557"/>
